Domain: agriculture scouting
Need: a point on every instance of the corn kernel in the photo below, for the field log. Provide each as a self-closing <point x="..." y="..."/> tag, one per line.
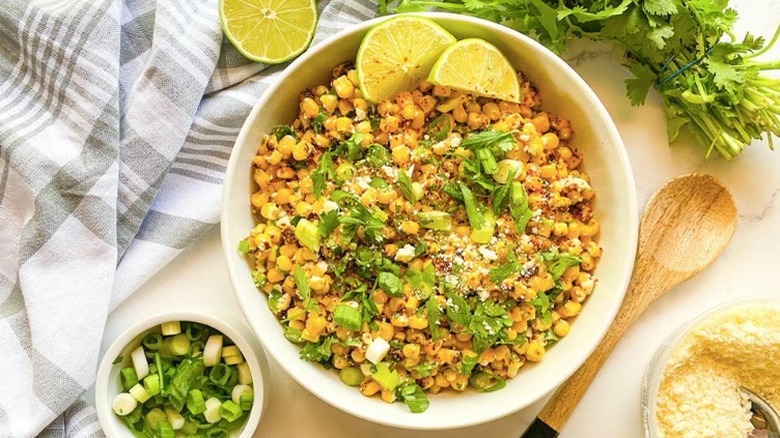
<point x="410" y="227"/>
<point x="417" y="322"/>
<point x="270" y="211"/>
<point x="401" y="154"/>
<point x="310" y="108"/>
<point x="535" y="352"/>
<point x="300" y="151"/>
<point x="329" y="102"/>
<point x="411" y="351"/>
<point x="561" y="328"/>
<point x="274" y="276"/>
<point x="344" y="87"/>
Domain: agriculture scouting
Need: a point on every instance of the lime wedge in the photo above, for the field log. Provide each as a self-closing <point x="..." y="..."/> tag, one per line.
<point x="476" y="66"/>
<point x="269" y="31"/>
<point x="397" y="54"/>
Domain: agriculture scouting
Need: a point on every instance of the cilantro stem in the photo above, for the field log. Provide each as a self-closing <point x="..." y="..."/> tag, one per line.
<point x="766" y="46"/>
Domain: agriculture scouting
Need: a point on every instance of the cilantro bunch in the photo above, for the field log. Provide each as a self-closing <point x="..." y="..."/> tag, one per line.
<point x="710" y="81"/>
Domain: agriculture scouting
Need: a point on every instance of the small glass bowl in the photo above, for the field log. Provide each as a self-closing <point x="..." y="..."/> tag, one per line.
<point x="655" y="369"/>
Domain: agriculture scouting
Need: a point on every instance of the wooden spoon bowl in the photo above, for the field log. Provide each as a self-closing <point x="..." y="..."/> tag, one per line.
<point x="687" y="224"/>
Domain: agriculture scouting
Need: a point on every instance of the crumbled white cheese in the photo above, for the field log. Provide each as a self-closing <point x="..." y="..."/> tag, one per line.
<point x="483" y="294"/>
<point x="405" y="254"/>
<point x="377" y="350"/>
<point x="390" y="172"/>
<point x="328" y="206"/>
<point x="360" y="114"/>
<point x="283" y="221"/>
<point x="364" y="182"/>
<point x="488" y="254"/>
<point x="454" y="139"/>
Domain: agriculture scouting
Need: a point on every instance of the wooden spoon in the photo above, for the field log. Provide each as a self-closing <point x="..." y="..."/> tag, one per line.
<point x="686" y="225"/>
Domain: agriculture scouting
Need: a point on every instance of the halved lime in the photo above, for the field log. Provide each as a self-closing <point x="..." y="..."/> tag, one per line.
<point x="476" y="66"/>
<point x="397" y="54"/>
<point x="269" y="31"/>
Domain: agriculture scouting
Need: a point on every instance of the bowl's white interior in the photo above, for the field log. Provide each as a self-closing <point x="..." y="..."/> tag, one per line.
<point x="564" y="93"/>
<point x="108" y="384"/>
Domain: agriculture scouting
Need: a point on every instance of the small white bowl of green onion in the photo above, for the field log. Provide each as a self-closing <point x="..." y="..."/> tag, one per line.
<point x="180" y="374"/>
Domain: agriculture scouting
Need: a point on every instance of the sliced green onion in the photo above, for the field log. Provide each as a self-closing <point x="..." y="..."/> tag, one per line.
<point x="240" y="391"/>
<point x="348" y="316"/>
<point x="211" y="414"/>
<point x="158" y="363"/>
<point x="476" y="220"/>
<point x="485" y="233"/>
<point x="486" y="382"/>
<point x="415" y="398"/>
<point x="507" y="171"/>
<point x="217" y="432"/>
<point x="435" y="220"/>
<point x="196" y="349"/>
<point x="123" y="404"/>
<point x="175" y="418"/>
<point x="308" y="235"/>
<point x="220" y="374"/>
<point x="351" y="376"/>
<point x="244" y="374"/>
<point x="386" y="378"/>
<point x="230" y="411"/>
<point x="194" y="331"/>
<point x="345" y="172"/>
<point x="230" y="350"/>
<point x="128" y="377"/>
<point x="138" y="357"/>
<point x="139" y="393"/>
<point x="154" y="417"/>
<point x="176" y="400"/>
<point x="189" y="428"/>
<point x="153" y="341"/>
<point x="212" y="352"/>
<point x="418" y="191"/>
<point x="195" y="402"/>
<point x="170" y="328"/>
<point x="234" y="360"/>
<point x="165" y="428"/>
<point x="178" y="345"/>
<point x="246" y="402"/>
<point x="152" y="384"/>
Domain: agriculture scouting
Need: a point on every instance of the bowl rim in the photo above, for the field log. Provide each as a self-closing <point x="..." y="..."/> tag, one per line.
<point x="627" y="181"/>
<point x="655" y="368"/>
<point x="257" y="365"/>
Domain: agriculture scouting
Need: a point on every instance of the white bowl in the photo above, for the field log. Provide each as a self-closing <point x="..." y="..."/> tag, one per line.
<point x="108" y="385"/>
<point x="564" y="93"/>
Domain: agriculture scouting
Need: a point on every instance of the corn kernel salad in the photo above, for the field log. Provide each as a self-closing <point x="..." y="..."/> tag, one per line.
<point x="436" y="241"/>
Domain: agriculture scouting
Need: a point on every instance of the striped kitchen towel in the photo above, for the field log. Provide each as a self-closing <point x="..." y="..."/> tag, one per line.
<point x="117" y="118"/>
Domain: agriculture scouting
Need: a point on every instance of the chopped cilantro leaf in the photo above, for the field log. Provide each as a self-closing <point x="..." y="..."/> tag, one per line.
<point x="318" y="352"/>
<point x="391" y="284"/>
<point x="405" y="183"/>
<point x="320" y="175"/>
<point x="328" y="222"/>
<point x="558" y="262"/>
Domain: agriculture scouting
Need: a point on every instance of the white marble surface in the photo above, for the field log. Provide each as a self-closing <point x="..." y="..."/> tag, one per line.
<point x="611" y="408"/>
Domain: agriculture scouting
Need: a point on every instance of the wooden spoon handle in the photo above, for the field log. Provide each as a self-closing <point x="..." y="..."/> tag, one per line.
<point x="558" y="409"/>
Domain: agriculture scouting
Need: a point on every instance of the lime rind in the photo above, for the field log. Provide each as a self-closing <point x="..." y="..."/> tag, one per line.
<point x="510" y="92"/>
<point x="289" y="54"/>
<point x="429" y="34"/>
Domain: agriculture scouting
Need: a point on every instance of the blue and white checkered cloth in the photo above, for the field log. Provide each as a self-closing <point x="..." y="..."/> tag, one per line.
<point x="117" y="118"/>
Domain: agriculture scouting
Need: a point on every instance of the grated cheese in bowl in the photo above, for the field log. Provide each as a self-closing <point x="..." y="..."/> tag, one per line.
<point x="693" y="386"/>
